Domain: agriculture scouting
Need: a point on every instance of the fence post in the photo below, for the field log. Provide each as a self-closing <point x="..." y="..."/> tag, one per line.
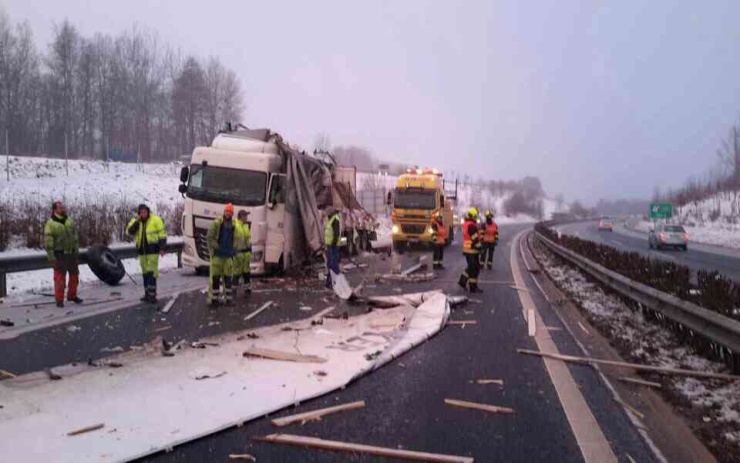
<point x="3" y="286"/>
<point x="179" y="257"/>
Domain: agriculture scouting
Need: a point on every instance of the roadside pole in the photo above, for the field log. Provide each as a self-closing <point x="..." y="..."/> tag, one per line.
<point x="66" y="155"/>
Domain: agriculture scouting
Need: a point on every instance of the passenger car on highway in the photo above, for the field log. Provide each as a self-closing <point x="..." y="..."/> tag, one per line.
<point x="668" y="236"/>
<point x="606" y="224"/>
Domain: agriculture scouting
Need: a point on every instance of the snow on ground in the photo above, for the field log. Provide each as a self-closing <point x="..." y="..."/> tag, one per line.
<point x="43" y="180"/>
<point x="649" y="343"/>
<point x="41" y="280"/>
<point x="718" y="233"/>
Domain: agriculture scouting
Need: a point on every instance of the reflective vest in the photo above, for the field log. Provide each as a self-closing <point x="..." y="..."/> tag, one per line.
<point x="491" y="233"/>
<point x="439" y="231"/>
<point x="60" y="235"/>
<point x="470" y="241"/>
<point x="329" y="229"/>
<point x="150" y="235"/>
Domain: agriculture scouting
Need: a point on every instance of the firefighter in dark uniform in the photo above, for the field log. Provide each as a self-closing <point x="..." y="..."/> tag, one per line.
<point x="439" y="238"/>
<point x="490" y="240"/>
<point x="471" y="249"/>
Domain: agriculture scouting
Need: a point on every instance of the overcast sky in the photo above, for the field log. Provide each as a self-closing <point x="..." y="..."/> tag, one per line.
<point x="597" y="98"/>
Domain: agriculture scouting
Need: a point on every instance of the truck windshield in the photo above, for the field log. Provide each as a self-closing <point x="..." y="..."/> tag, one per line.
<point x="415" y="199"/>
<point x="224" y="185"/>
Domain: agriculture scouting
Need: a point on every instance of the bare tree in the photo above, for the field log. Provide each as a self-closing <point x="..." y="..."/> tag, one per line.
<point x="729" y="154"/>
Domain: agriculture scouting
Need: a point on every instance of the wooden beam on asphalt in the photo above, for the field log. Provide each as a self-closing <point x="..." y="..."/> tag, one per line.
<point x="634" y="366"/>
<point x="640" y="382"/>
<point x="500" y="382"/>
<point x="318" y="443"/>
<point x="6" y="374"/>
<point x="280" y="355"/>
<point x="316" y="414"/>
<point x="264" y="307"/>
<point x="477" y="406"/>
<point x="630" y="408"/>
<point x="462" y="322"/>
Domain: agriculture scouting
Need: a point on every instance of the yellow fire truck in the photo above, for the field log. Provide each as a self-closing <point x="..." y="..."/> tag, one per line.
<point x="418" y="194"/>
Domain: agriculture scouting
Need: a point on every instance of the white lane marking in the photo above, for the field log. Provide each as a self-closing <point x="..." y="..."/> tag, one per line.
<point x="531" y="323"/>
<point x="589" y="436"/>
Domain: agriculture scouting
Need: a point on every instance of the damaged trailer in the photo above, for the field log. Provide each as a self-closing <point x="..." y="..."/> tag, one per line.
<point x="285" y="191"/>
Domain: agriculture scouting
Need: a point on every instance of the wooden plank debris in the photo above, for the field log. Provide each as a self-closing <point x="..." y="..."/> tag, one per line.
<point x="6" y="374"/>
<point x="477" y="406"/>
<point x="242" y="456"/>
<point x="170" y="303"/>
<point x="87" y="429"/>
<point x="319" y="443"/>
<point x="264" y="307"/>
<point x="634" y="366"/>
<point x="630" y="408"/>
<point x="500" y="382"/>
<point x="316" y="415"/>
<point x="641" y="382"/>
<point x="285" y="356"/>
<point x="462" y="322"/>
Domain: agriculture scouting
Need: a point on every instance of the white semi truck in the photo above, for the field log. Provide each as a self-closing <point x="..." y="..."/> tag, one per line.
<point x="285" y="192"/>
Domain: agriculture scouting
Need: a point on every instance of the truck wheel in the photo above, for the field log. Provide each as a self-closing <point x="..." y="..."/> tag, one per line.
<point x="105" y="265"/>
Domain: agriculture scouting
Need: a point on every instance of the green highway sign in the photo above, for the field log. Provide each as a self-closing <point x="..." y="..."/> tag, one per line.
<point x="661" y="210"/>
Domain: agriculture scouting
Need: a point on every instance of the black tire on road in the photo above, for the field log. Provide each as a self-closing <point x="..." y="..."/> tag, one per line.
<point x="105" y="265"/>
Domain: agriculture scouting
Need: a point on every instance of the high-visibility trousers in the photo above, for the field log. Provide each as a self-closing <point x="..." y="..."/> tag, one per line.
<point x="149" y="272"/>
<point x="221" y="272"/>
<point x="241" y="267"/>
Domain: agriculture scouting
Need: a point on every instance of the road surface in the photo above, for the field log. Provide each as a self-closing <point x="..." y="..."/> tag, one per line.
<point x="698" y="257"/>
<point x="563" y="413"/>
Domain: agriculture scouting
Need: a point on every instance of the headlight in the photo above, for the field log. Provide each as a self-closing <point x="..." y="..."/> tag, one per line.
<point x="343" y="241"/>
<point x="257" y="256"/>
<point x="430" y="230"/>
<point x="395" y="229"/>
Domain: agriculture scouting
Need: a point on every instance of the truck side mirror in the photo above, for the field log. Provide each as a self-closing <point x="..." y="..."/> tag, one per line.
<point x="184" y="174"/>
<point x="182" y="188"/>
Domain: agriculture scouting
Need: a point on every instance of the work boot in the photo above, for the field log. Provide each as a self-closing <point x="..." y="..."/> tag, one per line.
<point x="144" y="298"/>
<point x="76" y="300"/>
<point x="213" y="304"/>
<point x="440" y="266"/>
<point x="463" y="282"/>
<point x="489" y="267"/>
<point x="474" y="288"/>
<point x="60" y="304"/>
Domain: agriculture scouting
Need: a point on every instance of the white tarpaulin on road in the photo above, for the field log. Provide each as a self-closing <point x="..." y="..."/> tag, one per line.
<point x="154" y="403"/>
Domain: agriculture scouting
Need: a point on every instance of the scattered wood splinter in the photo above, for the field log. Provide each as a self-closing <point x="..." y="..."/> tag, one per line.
<point x="315" y="415"/>
<point x="477" y="406"/>
<point x="242" y="456"/>
<point x="641" y="382"/>
<point x="94" y="427"/>
<point x="462" y="322"/>
<point x="500" y="382"/>
<point x="272" y="354"/>
<point x="319" y="443"/>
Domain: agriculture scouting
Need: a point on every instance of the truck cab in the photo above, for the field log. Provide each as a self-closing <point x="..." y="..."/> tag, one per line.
<point x="245" y="169"/>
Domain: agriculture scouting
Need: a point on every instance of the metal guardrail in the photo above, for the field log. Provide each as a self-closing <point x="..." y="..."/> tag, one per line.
<point x="39" y="261"/>
<point x="720" y="329"/>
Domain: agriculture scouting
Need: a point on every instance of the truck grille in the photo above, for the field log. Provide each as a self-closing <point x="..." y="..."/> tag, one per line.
<point x="413" y="229"/>
<point x="201" y="245"/>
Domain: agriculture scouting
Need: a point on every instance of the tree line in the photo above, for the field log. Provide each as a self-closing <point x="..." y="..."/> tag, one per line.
<point x="95" y="96"/>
